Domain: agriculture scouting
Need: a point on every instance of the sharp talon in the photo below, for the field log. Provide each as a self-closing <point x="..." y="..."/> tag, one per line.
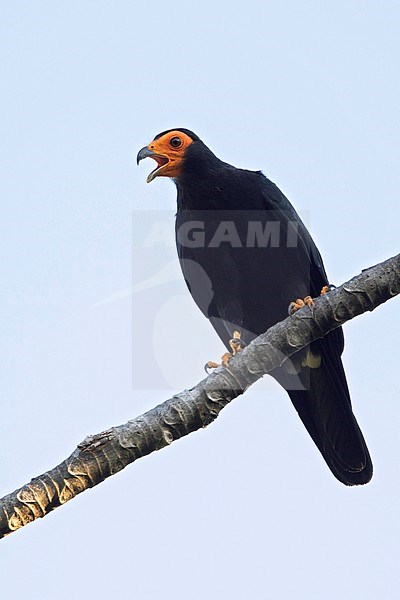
<point x="226" y="358"/>
<point x="308" y="301"/>
<point x="294" y="306"/>
<point x="299" y="303"/>
<point x="210" y="365"/>
<point x="236" y="343"/>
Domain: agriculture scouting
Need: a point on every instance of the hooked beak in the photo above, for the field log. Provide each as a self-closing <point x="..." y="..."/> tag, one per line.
<point x="159" y="158"/>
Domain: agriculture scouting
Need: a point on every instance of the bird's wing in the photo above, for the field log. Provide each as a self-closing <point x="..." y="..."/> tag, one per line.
<point x="277" y="203"/>
<point x="320" y="394"/>
<point x="202" y="273"/>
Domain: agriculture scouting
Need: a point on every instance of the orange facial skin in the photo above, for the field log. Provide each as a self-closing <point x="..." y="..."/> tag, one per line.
<point x="168" y="151"/>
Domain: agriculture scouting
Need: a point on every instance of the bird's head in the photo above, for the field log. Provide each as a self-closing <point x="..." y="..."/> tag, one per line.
<point x="168" y="150"/>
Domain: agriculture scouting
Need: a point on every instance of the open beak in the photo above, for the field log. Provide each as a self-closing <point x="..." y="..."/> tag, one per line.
<point x="159" y="158"/>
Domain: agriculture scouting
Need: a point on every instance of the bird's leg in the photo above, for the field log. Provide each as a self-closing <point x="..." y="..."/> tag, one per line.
<point x="211" y="365"/>
<point x="236" y="344"/>
<point x="327" y="288"/>
<point x="299" y="303"/>
<point x="225" y="358"/>
<point x="308" y="301"/>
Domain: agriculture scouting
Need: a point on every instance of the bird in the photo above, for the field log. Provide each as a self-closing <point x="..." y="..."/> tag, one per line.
<point x="246" y="256"/>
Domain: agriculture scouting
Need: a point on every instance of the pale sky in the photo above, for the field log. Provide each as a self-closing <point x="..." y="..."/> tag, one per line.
<point x="309" y="93"/>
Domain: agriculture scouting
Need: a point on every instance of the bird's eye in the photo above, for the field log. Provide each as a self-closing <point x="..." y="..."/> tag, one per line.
<point x="176" y="142"/>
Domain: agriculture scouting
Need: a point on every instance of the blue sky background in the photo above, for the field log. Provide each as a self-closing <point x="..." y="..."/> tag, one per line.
<point x="309" y="93"/>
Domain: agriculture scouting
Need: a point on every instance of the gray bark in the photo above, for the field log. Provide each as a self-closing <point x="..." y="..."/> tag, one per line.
<point x="106" y="453"/>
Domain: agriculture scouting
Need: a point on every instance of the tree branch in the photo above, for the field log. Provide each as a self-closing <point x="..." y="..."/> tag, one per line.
<point x="106" y="453"/>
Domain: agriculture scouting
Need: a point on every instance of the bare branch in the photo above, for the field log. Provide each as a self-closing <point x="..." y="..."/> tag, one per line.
<point x="106" y="453"/>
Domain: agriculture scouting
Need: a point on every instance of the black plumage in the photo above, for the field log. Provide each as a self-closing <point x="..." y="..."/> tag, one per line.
<point x="242" y="284"/>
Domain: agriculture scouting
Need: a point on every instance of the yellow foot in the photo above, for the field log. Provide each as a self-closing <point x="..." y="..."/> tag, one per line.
<point x="308" y="301"/>
<point x="236" y="344"/>
<point x="326" y="289"/>
<point x="299" y="303"/>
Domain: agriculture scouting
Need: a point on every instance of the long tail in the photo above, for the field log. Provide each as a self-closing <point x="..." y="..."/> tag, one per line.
<point x="324" y="406"/>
